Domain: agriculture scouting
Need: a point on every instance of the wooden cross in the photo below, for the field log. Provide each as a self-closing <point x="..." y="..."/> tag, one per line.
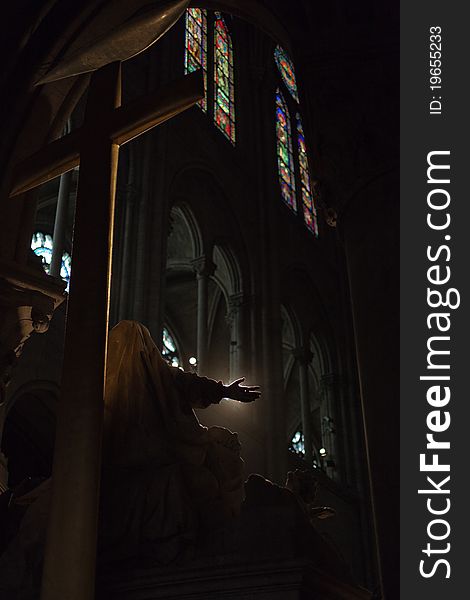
<point x="71" y="540"/>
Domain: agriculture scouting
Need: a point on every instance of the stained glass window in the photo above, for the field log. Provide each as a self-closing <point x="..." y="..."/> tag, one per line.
<point x="42" y="246"/>
<point x="169" y="349"/>
<point x="286" y="68"/>
<point x="285" y="160"/>
<point x="195" y="55"/>
<point x="308" y="204"/>
<point x="297" y="444"/>
<point x="224" y="105"/>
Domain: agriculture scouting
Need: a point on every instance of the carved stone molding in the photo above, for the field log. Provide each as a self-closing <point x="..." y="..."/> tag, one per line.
<point x="235" y="304"/>
<point x="203" y="266"/>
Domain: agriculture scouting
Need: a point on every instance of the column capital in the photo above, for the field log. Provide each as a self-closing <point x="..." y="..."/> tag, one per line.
<point x="235" y="301"/>
<point x="303" y="355"/>
<point x="203" y="266"/>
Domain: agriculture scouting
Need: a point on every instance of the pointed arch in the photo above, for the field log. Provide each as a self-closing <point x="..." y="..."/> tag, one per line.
<point x="228" y="270"/>
<point x="185" y="238"/>
<point x="224" y="95"/>
<point x="285" y="160"/>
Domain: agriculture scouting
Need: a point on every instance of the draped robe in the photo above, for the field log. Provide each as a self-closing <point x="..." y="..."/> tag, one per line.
<point x="165" y="476"/>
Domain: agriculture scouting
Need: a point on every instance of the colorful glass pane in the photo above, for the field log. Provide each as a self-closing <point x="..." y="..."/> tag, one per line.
<point x="308" y="203"/>
<point x="224" y="105"/>
<point x="42" y="246"/>
<point x="169" y="349"/>
<point x="195" y="55"/>
<point x="285" y="161"/>
<point x="286" y="69"/>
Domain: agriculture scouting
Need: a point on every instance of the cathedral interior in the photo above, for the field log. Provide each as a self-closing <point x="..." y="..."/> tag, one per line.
<point x="255" y="235"/>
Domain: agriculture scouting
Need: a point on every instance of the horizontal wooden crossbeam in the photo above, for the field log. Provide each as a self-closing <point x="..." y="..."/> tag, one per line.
<point x="125" y="123"/>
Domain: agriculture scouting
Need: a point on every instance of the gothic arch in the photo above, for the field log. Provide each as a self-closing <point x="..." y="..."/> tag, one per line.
<point x="29" y="430"/>
<point x="228" y="273"/>
<point x="185" y="241"/>
<point x="199" y="188"/>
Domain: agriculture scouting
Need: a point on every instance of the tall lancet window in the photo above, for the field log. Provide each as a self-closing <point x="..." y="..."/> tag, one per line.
<point x="285" y="159"/>
<point x="310" y="213"/>
<point x="169" y="349"/>
<point x="224" y="105"/>
<point x="289" y="163"/>
<point x="195" y="54"/>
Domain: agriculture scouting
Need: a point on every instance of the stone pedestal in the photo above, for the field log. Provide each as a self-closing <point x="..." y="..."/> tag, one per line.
<point x="270" y="552"/>
<point x="270" y="580"/>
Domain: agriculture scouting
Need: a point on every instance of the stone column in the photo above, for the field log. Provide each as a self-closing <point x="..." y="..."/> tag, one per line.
<point x="304" y="357"/>
<point x="204" y="269"/>
<point x="235" y="321"/>
<point x="126" y="196"/>
<point x="267" y="363"/>
<point x="329" y="383"/>
<point x="60" y="223"/>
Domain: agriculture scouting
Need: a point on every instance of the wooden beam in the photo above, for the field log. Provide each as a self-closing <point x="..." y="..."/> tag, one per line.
<point x="154" y="109"/>
<point x="70" y="552"/>
<point x="126" y="123"/>
<point x="48" y="163"/>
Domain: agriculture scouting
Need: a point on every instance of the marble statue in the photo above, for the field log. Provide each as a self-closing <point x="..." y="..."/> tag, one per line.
<point x="171" y="474"/>
<point x="164" y="475"/>
<point x="171" y="488"/>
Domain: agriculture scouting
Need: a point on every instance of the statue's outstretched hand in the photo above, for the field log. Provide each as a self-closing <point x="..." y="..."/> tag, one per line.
<point x="242" y="393"/>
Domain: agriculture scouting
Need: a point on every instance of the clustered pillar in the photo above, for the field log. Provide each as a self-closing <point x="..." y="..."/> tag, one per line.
<point x="235" y="321"/>
<point x="204" y="268"/>
<point x="60" y="223"/>
<point x="329" y="383"/>
<point x="304" y="357"/>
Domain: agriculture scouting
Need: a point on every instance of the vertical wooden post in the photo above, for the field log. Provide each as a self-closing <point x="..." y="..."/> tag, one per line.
<point x="69" y="568"/>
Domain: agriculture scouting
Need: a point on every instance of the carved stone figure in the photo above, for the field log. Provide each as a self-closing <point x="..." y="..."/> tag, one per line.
<point x="164" y="477"/>
<point x="164" y="474"/>
<point x="170" y="485"/>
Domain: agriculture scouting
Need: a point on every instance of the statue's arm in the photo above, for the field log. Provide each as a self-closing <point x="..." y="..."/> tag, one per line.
<point x="202" y="391"/>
